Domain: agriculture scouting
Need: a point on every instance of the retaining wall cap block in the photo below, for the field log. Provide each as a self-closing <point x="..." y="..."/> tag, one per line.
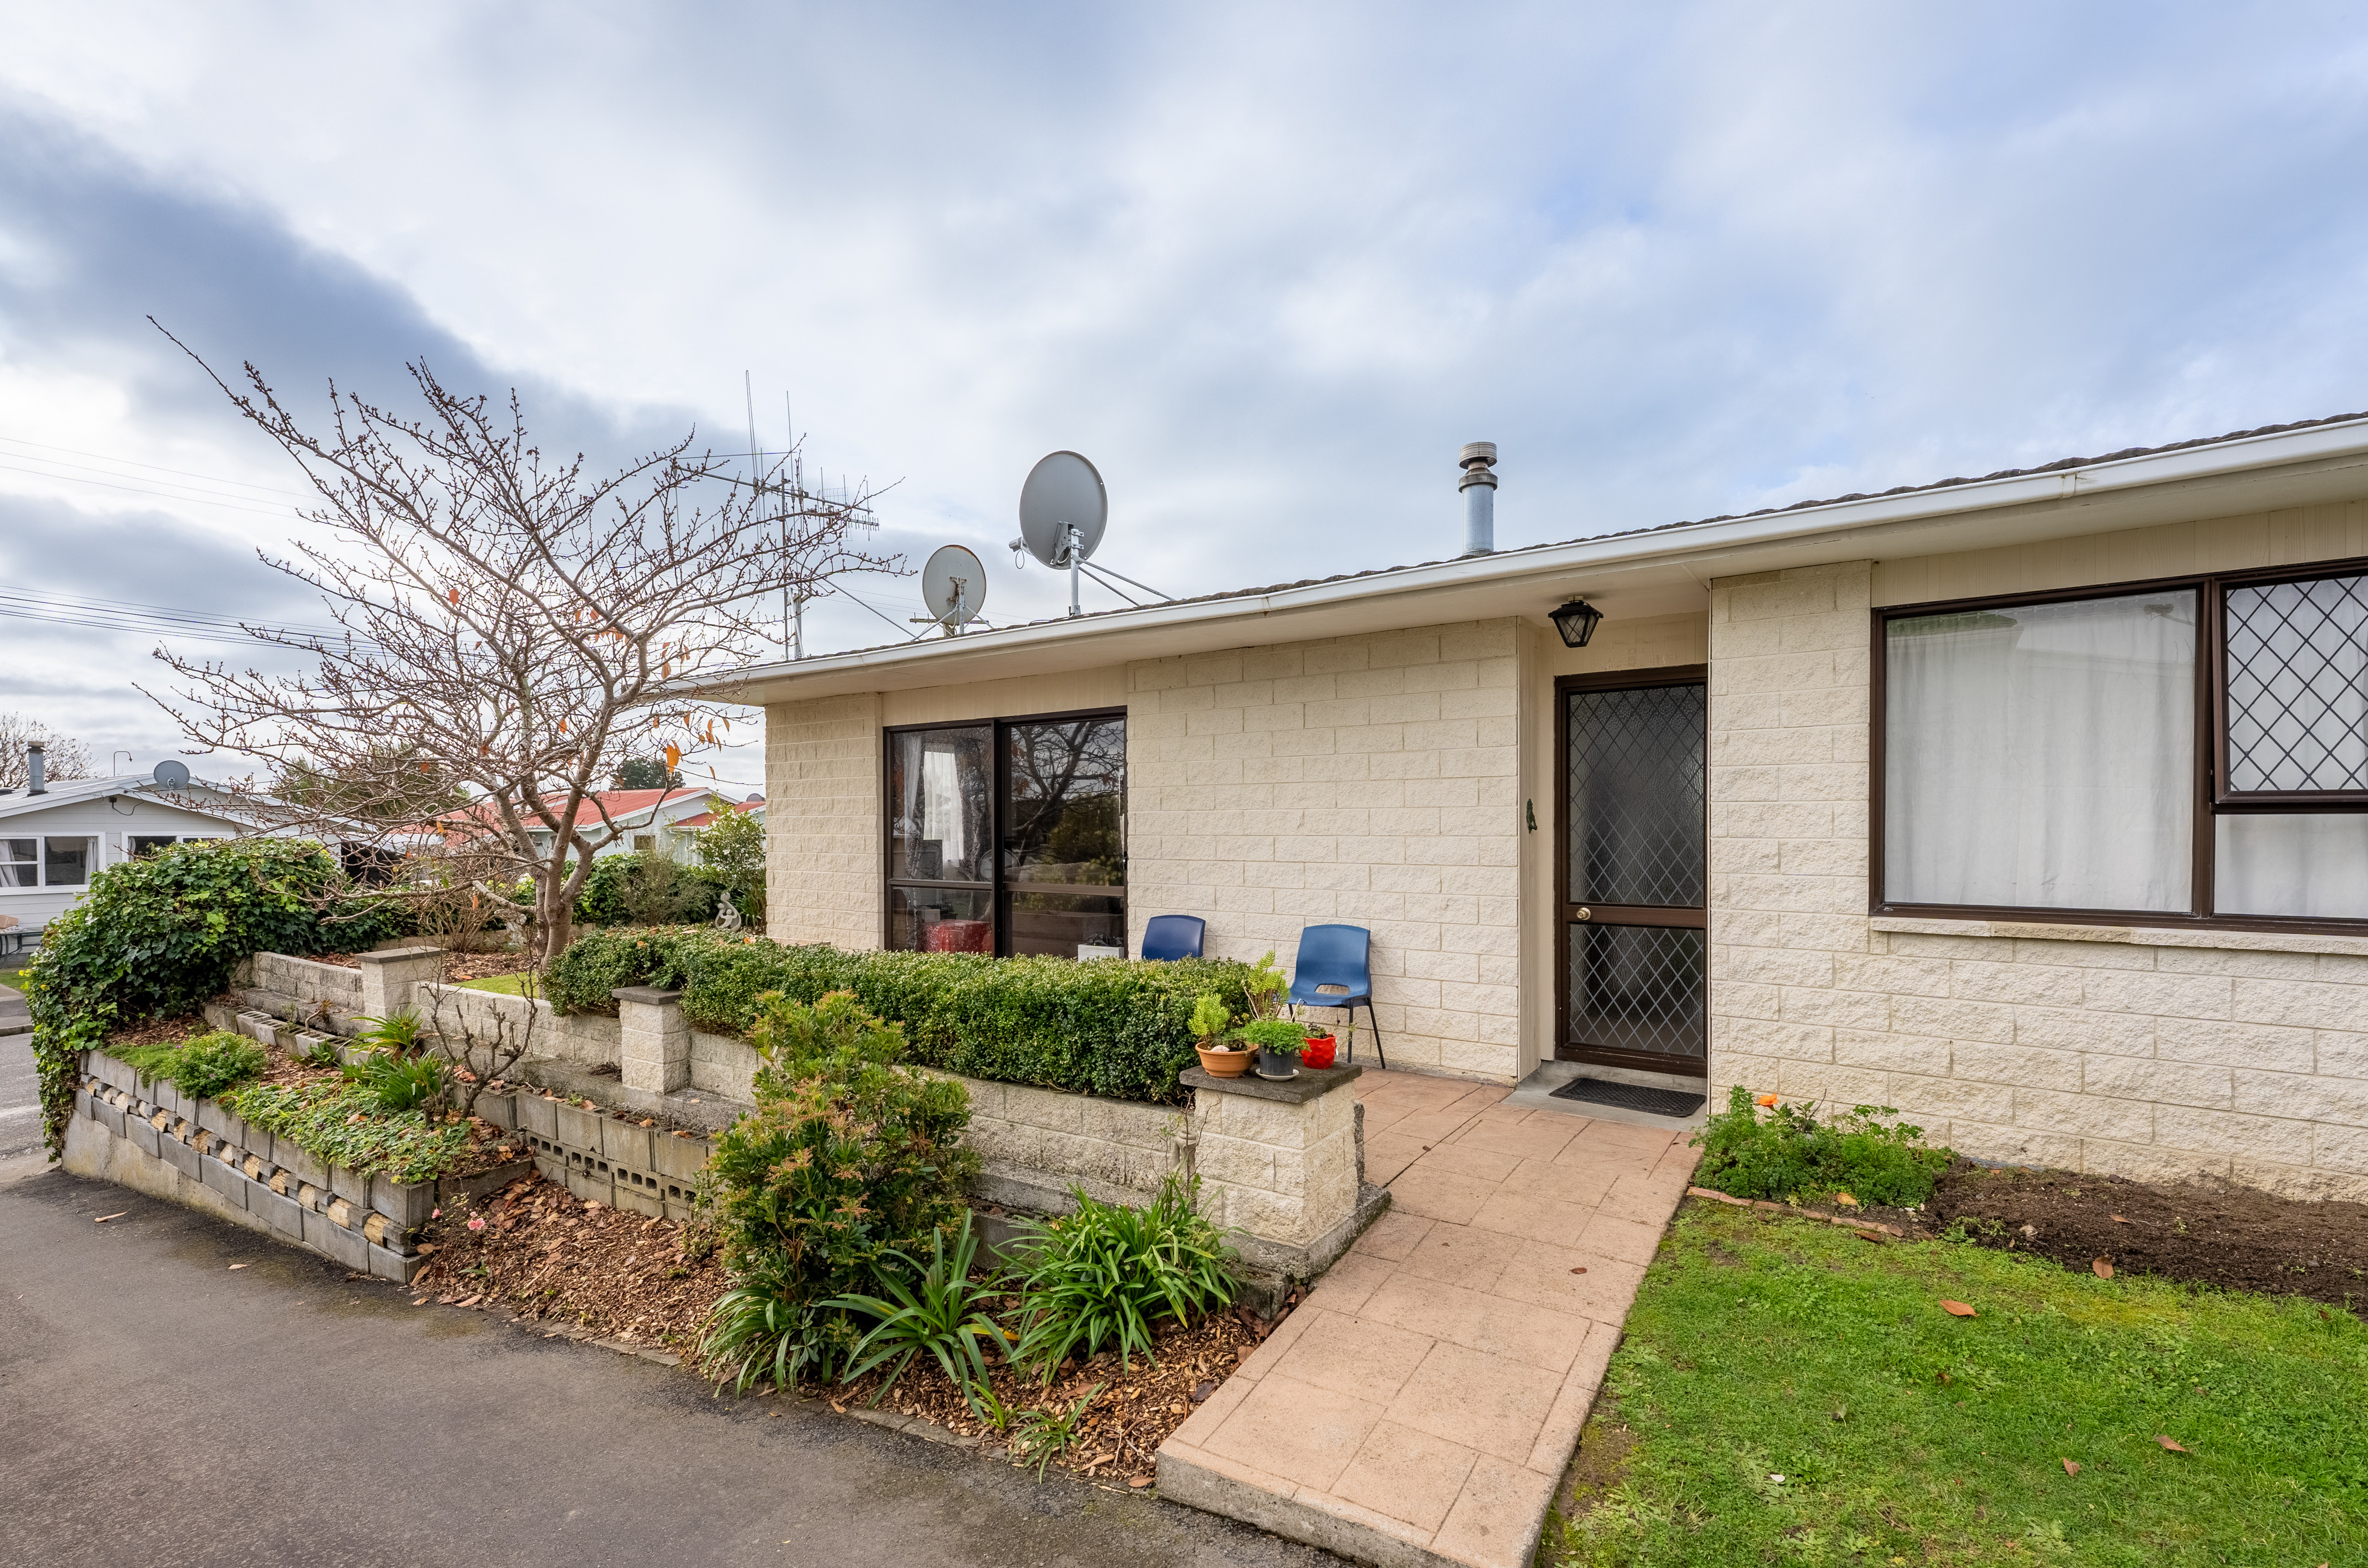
<point x="399" y="955"/>
<point x="536" y="1115"/>
<point x="650" y="995"/>
<point x="622" y="1143"/>
<point x="352" y="1186"/>
<point x="1311" y="1084"/>
<point x="304" y="1165"/>
<point x="680" y="1159"/>
<point x="407" y="1204"/>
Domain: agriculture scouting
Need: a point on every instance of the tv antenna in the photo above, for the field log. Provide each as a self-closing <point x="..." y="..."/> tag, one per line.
<point x="953" y="584"/>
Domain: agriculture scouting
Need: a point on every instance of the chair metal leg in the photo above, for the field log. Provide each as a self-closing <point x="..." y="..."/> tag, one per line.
<point x="1375" y="1025"/>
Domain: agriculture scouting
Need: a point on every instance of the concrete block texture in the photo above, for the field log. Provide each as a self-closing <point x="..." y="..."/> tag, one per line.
<point x="2150" y="1052"/>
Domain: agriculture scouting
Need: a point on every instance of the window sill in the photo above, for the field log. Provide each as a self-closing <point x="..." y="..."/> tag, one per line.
<point x="2135" y="936"/>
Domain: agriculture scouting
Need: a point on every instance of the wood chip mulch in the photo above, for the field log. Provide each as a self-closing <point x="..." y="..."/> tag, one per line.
<point x="163" y="1031"/>
<point x="548" y="1254"/>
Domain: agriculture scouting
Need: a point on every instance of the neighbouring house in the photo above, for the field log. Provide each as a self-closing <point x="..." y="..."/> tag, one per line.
<point x="646" y="818"/>
<point x="55" y="837"/>
<point x="2035" y="805"/>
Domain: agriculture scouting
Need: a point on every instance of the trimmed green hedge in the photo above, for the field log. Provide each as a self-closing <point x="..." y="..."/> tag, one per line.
<point x="1107" y="1027"/>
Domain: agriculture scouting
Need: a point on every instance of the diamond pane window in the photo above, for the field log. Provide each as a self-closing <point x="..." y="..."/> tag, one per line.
<point x="2299" y="687"/>
<point x="1636" y="783"/>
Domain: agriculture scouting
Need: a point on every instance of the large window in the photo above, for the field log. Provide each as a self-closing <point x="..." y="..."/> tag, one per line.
<point x="47" y="863"/>
<point x="2161" y="753"/>
<point x="1008" y="836"/>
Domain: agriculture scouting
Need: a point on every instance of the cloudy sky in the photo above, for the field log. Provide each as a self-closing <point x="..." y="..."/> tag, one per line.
<point x="1268" y="265"/>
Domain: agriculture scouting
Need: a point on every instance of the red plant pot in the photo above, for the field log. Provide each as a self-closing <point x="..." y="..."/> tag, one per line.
<point x="1317" y="1051"/>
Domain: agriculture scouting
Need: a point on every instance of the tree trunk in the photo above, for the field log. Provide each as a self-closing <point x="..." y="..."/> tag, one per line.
<point x="554" y="919"/>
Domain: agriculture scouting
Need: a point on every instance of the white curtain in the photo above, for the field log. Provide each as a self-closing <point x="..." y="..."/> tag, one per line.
<point x="2312" y="865"/>
<point x="2042" y="757"/>
<point x="941" y="809"/>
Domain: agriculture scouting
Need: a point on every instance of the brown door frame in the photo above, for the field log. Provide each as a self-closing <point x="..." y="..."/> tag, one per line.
<point x="1621" y="915"/>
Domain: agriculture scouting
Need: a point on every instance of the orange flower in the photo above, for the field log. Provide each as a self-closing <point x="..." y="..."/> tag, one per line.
<point x="1766" y="1100"/>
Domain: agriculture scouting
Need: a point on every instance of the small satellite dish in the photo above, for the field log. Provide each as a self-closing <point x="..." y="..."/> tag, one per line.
<point x="953" y="584"/>
<point x="1063" y="492"/>
<point x="172" y="775"/>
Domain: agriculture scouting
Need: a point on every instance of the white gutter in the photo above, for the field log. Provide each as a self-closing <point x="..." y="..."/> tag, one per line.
<point x="1676" y="544"/>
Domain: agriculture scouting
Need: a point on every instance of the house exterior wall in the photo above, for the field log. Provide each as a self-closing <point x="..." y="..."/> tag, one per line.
<point x="111" y="821"/>
<point x="822" y="833"/>
<point x="2151" y="1053"/>
<point x="1372" y="780"/>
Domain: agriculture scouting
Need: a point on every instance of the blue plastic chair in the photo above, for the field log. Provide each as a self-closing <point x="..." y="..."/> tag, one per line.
<point x="1342" y="956"/>
<point x="1173" y="937"/>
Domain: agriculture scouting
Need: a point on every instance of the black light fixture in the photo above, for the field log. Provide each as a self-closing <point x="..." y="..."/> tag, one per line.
<point x="1575" y="621"/>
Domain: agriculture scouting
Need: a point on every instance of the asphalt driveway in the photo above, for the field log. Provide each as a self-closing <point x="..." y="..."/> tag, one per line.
<point x="159" y="1406"/>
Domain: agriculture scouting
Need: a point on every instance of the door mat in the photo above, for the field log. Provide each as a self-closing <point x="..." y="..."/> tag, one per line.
<point x="1631" y="1097"/>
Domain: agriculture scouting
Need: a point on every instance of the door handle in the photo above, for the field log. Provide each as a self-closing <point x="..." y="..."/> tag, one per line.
<point x="1584" y="912"/>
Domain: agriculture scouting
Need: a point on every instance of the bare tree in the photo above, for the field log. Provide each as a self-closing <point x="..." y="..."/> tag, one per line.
<point x="513" y="628"/>
<point x="64" y="757"/>
<point x="475" y="1052"/>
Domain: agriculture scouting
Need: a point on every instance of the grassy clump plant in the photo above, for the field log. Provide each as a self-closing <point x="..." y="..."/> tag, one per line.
<point x="941" y="1313"/>
<point x="1106" y="1273"/>
<point x="1791" y="1154"/>
<point x="201" y="1068"/>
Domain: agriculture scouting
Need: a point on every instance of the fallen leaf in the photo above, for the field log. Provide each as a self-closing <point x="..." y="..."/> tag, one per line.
<point x="1957" y="1309"/>
<point x="1139" y="1481"/>
<point x="1578" y="1271"/>
<point x="1866" y="1235"/>
<point x="2117" y="1220"/>
<point x="103" y="1219"/>
<point x="423" y="1302"/>
<point x="2103" y="1266"/>
<point x="470" y="1303"/>
<point x="238" y="1266"/>
<point x="2169" y="1444"/>
<point x="1845" y="1199"/>
<point x="2071" y="1467"/>
<point x="1203" y="1390"/>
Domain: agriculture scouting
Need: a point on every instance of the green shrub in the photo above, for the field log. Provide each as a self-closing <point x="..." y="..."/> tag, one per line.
<point x="159" y="935"/>
<point x="1106" y="1273"/>
<point x="647" y="888"/>
<point x="342" y="1123"/>
<point x="942" y="1312"/>
<point x="1121" y="1029"/>
<point x="203" y="1067"/>
<point x="1790" y="1155"/>
<point x="848" y="1160"/>
<point x="397" y="1082"/>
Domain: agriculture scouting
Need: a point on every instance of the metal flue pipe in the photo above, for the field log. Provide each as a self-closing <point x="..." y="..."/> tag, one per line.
<point x="37" y="765"/>
<point x="1479" y="487"/>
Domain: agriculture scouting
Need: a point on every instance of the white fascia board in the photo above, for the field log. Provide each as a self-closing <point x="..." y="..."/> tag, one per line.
<point x="2060" y="503"/>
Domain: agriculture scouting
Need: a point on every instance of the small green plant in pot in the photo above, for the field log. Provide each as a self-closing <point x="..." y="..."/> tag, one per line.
<point x="1221" y="1057"/>
<point x="1278" y="1042"/>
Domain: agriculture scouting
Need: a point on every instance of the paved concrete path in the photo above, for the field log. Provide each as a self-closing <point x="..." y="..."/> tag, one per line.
<point x="21" y="1099"/>
<point x="161" y="1407"/>
<point x="1420" y="1407"/>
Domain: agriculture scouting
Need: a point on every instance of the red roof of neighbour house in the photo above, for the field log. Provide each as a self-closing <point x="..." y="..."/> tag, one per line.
<point x="707" y="819"/>
<point x="619" y="805"/>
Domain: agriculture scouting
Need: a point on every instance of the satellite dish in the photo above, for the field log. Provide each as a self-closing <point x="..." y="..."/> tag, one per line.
<point x="1064" y="491"/>
<point x="172" y="775"/>
<point x="953" y="584"/>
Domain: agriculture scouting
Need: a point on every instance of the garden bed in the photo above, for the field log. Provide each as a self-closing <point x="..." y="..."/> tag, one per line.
<point x="1785" y="1393"/>
<point x="2208" y="1234"/>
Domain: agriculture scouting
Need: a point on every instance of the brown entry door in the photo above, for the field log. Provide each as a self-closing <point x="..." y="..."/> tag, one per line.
<point x="1634" y="923"/>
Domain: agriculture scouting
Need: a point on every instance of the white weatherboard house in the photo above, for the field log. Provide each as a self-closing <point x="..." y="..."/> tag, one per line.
<point x="2035" y="805"/>
<point x="55" y="837"/>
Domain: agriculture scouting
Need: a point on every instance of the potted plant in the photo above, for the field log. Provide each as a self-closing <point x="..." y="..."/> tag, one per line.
<point x="1320" y="1046"/>
<point x="1278" y="1042"/>
<point x="1220" y="1058"/>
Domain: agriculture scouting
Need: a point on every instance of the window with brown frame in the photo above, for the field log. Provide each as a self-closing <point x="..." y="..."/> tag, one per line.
<point x="2160" y="752"/>
<point x="1007" y="836"/>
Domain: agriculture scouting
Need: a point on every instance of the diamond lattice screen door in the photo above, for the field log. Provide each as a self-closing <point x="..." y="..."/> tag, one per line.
<point x="1633" y="925"/>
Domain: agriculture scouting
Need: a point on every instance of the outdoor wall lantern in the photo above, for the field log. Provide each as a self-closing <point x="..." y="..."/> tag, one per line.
<point x="1575" y="621"/>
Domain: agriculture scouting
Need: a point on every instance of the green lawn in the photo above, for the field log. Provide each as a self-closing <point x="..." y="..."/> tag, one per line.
<point x="507" y="984"/>
<point x="1764" y="1347"/>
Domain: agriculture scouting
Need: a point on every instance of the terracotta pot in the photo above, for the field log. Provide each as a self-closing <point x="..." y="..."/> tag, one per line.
<point x="1224" y="1064"/>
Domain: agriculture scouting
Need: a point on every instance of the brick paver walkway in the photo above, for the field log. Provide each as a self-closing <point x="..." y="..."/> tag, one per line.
<point x="1422" y="1403"/>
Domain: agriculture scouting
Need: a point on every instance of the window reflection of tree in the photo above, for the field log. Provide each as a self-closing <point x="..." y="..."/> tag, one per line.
<point x="1068" y="782"/>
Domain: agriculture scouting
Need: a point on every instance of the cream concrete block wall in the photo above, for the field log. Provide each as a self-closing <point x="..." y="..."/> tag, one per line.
<point x="823" y="870"/>
<point x="2148" y="1054"/>
<point x="1370" y="780"/>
